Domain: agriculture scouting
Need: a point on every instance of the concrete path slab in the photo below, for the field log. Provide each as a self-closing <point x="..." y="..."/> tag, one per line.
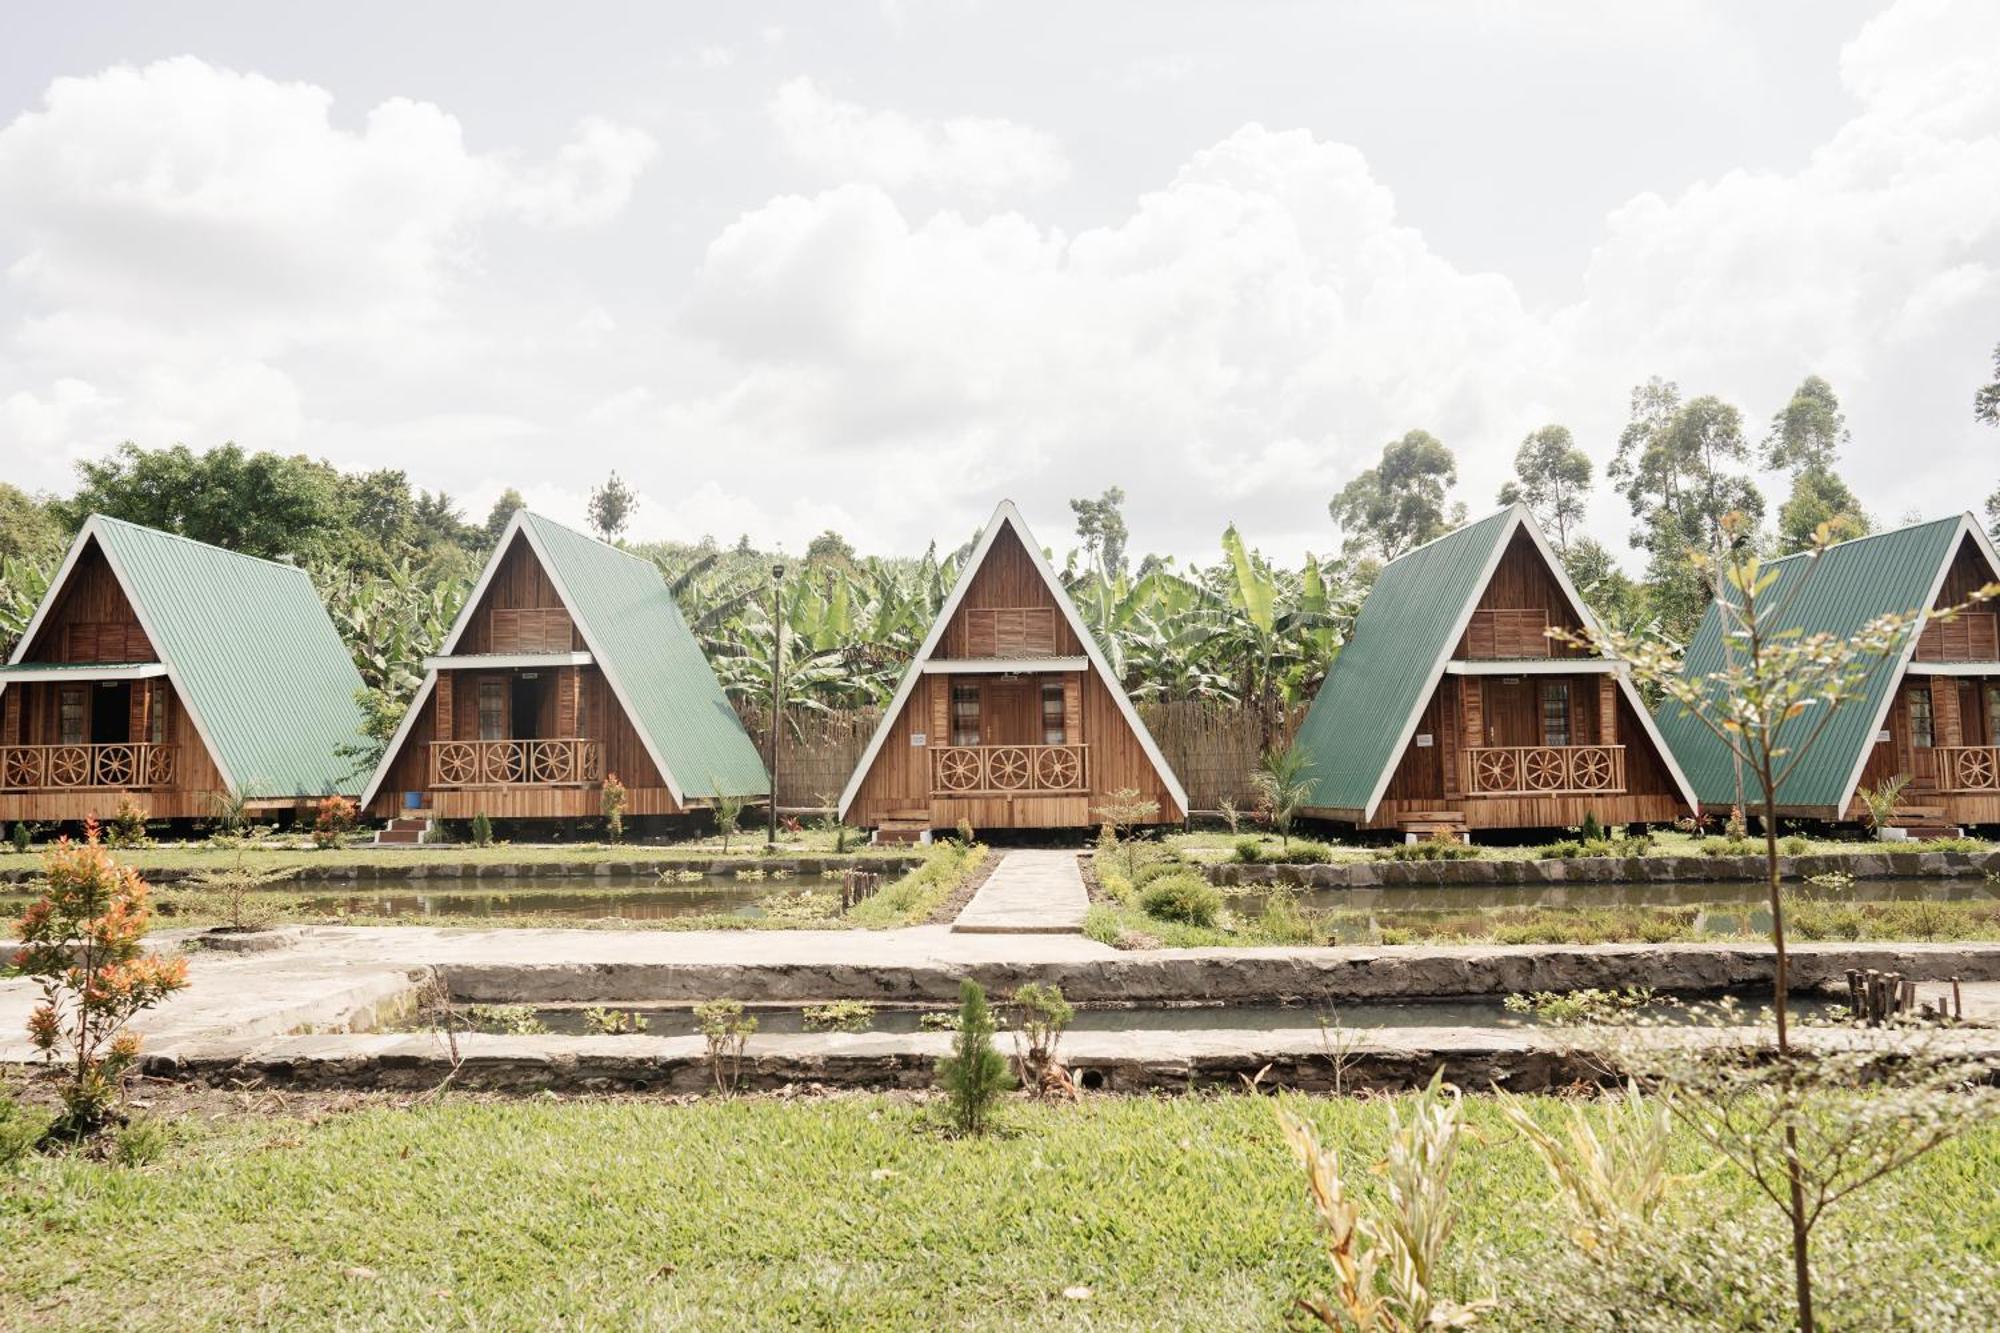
<point x="1028" y="893"/>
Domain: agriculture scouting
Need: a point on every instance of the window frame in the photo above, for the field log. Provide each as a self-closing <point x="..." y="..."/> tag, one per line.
<point x="966" y="692"/>
<point x="1055" y="726"/>
<point x="1923" y="719"/>
<point x="493" y="690"/>
<point x="1552" y="691"/>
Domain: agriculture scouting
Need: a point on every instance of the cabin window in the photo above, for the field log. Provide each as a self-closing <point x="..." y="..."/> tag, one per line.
<point x="965" y="714"/>
<point x="1992" y="715"/>
<point x="156" y="715"/>
<point x="1054" y="731"/>
<point x="492" y="710"/>
<point x="72" y="719"/>
<point x="1920" y="718"/>
<point x="1555" y="712"/>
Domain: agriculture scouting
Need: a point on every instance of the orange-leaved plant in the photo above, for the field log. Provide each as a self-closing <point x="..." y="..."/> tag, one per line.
<point x="81" y="941"/>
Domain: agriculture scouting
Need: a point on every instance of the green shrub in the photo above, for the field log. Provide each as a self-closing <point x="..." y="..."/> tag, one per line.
<point x="128" y="826"/>
<point x="1591" y="831"/>
<point x="1398" y="935"/>
<point x="1729" y="847"/>
<point x="1954" y="845"/>
<point x="1186" y="898"/>
<point x="1248" y="851"/>
<point x="1167" y="864"/>
<point x="1429" y="849"/>
<point x="1102" y="924"/>
<point x="613" y="1022"/>
<point x="482" y="830"/>
<point x="1794" y="846"/>
<point x="915" y="897"/>
<point x="1283" y="921"/>
<point x="974" y="1075"/>
<point x="1566" y="850"/>
<point x="1307" y="854"/>
<point x="19" y="836"/>
<point x="726" y="1032"/>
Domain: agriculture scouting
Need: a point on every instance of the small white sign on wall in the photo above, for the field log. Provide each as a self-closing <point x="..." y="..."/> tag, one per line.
<point x="1423" y="740"/>
<point x="1881" y="738"/>
<point x="917" y="739"/>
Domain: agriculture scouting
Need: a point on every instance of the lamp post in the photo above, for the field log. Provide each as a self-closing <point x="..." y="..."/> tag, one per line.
<point x="777" y="698"/>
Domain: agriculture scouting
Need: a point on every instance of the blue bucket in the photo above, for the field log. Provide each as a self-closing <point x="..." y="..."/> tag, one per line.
<point x="413" y="800"/>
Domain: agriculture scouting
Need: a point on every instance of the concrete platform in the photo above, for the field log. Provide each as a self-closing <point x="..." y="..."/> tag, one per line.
<point x="1028" y="893"/>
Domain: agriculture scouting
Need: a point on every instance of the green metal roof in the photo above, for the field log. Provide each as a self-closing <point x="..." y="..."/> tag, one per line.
<point x="253" y="653"/>
<point x="1889" y="573"/>
<point x="653" y="662"/>
<point x="1356" y="728"/>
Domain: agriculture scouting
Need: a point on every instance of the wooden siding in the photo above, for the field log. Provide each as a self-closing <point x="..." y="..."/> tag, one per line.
<point x="602" y="719"/>
<point x="1007" y="580"/>
<point x="1468" y="712"/>
<point x="29" y="712"/>
<point x="898" y="784"/>
<point x="1506" y="613"/>
<point x="91" y="620"/>
<point x="520" y="585"/>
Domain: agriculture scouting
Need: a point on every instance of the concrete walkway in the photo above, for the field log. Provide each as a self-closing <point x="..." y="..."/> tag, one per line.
<point x="1028" y="893"/>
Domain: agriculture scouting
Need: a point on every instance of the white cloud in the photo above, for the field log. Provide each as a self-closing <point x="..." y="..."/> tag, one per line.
<point x="980" y="156"/>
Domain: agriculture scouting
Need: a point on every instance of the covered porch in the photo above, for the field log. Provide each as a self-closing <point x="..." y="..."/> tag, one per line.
<point x="510" y="721"/>
<point x="87" y="727"/>
<point x="1006" y="727"/>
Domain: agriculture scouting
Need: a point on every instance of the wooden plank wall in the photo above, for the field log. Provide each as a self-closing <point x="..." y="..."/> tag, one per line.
<point x="197" y="780"/>
<point x="898" y="784"/>
<point x="520" y="583"/>
<point x="91" y="620"/>
<point x="1521" y="581"/>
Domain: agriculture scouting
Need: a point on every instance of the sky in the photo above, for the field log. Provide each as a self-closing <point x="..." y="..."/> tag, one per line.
<point x="875" y="267"/>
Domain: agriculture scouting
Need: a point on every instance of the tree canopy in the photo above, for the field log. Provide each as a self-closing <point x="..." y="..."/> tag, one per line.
<point x="1398" y="504"/>
<point x="1551" y="477"/>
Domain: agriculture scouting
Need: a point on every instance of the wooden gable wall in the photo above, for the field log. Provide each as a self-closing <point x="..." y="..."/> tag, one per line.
<point x="1007" y="580"/>
<point x="520" y="611"/>
<point x="91" y="619"/>
<point x="1520" y="603"/>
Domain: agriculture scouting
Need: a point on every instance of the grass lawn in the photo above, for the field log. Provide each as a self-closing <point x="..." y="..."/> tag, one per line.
<point x="299" y="851"/>
<point x="843" y="1212"/>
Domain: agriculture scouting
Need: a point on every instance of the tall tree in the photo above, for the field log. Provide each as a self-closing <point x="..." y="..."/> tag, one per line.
<point x="829" y="548"/>
<point x="611" y="507"/>
<point x="1399" y="503"/>
<point x="502" y="510"/>
<point x="1100" y="524"/>
<point x="261" y="504"/>
<point x="1551" y="477"/>
<point x="1986" y="408"/>
<point x="28" y="530"/>
<point x="1805" y="439"/>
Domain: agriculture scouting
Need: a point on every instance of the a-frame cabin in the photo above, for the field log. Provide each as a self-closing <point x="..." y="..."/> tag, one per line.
<point x="568" y="663"/>
<point x="1008" y="717"/>
<point x="166" y="672"/>
<point x="1929" y="712"/>
<point x="1451" y="708"/>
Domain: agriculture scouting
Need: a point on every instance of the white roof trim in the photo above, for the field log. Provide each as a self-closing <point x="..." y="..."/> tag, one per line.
<point x="1006" y="513"/>
<point x="1967" y="527"/>
<point x="1521" y="520"/>
<point x="1010" y="666"/>
<point x="504" y="661"/>
<point x="187" y="700"/>
<point x="1515" y="514"/>
<point x="518" y="525"/>
<point x="395" y="745"/>
<point x="82" y="672"/>
<point x="1531" y="666"/>
<point x="603" y="663"/>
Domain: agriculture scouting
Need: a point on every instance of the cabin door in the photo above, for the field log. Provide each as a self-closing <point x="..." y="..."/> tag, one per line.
<point x="1511" y="714"/>
<point x="526" y="704"/>
<point x="1922" y="723"/>
<point x="111" y="713"/>
<point x="1972" y="717"/>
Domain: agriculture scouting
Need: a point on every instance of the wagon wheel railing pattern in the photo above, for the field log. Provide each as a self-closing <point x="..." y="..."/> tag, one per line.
<point x="1008" y="767"/>
<point x="1968" y="767"/>
<point x="1058" y="768"/>
<point x="1546" y="770"/>
<point x="966" y="770"/>
<point x="557" y="761"/>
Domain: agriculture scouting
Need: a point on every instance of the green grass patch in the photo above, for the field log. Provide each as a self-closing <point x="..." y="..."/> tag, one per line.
<point x="851" y="1212"/>
<point x="918" y="895"/>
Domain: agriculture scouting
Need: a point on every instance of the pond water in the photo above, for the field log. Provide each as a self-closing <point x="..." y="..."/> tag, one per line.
<point x="596" y="898"/>
<point x="1743" y="894"/>
<point x="679" y="1020"/>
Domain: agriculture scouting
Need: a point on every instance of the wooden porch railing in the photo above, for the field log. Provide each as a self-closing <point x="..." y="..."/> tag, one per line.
<point x="1545" y="770"/>
<point x="570" y="761"/>
<point x="987" y="770"/>
<point x="119" y="764"/>
<point x="1967" y="767"/>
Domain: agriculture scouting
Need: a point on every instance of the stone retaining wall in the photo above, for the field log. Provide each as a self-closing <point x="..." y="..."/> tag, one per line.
<point x="1261" y="975"/>
<point x="1605" y="869"/>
